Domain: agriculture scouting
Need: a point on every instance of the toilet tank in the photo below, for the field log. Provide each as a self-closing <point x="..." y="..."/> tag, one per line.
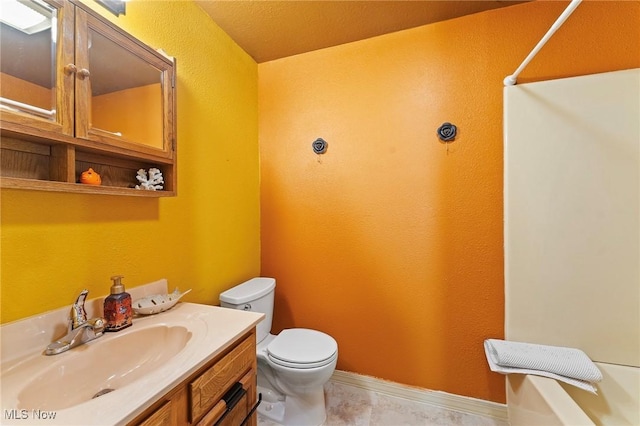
<point x="255" y="295"/>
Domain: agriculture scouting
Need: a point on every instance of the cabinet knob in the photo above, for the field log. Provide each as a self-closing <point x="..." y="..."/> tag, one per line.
<point x="84" y="73"/>
<point x="70" y="69"/>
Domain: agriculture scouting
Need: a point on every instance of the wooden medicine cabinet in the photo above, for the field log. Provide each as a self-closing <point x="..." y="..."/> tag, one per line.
<point x="77" y="92"/>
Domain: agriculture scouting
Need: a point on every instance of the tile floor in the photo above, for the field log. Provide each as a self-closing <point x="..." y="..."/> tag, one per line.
<point x="353" y="406"/>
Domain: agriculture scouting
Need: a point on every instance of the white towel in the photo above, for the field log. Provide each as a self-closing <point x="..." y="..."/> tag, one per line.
<point x="569" y="365"/>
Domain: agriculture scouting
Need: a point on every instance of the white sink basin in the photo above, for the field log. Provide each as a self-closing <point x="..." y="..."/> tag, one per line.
<point x="103" y="366"/>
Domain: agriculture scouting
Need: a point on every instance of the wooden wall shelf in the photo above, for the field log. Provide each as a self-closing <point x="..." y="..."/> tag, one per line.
<point x="44" y="185"/>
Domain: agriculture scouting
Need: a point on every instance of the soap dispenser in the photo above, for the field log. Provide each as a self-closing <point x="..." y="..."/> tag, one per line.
<point x="117" y="307"/>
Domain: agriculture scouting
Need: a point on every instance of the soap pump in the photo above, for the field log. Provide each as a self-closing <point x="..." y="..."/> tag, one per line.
<point x="117" y="307"/>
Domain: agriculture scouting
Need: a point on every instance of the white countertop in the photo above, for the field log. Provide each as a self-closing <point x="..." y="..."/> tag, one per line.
<point x="213" y="330"/>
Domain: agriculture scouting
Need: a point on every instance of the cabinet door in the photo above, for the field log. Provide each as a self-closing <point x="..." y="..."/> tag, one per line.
<point x="124" y="90"/>
<point x="161" y="417"/>
<point x="35" y="91"/>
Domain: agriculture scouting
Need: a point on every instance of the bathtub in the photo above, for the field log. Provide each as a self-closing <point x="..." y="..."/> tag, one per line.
<point x="537" y="401"/>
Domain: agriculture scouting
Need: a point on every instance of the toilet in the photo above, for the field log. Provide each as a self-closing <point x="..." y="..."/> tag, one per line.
<point x="293" y="366"/>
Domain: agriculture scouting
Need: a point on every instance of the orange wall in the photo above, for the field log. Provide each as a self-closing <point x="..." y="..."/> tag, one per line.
<point x="389" y="242"/>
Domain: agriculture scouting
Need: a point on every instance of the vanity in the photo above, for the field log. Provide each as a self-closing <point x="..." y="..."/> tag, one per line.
<point x="223" y="392"/>
<point x="191" y="365"/>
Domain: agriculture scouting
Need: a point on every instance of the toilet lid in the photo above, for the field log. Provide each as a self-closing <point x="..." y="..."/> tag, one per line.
<point x="302" y="347"/>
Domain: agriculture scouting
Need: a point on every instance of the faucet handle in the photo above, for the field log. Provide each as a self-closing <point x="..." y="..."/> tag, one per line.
<point x="97" y="324"/>
<point x="78" y="314"/>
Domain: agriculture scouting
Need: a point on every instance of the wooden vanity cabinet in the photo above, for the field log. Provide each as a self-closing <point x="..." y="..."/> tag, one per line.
<point x="104" y="100"/>
<point x="223" y="392"/>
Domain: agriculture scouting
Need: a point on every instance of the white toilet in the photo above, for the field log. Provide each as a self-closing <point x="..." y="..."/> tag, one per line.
<point x="292" y="366"/>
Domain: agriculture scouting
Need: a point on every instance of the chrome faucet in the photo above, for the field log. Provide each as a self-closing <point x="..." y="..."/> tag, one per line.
<point x="80" y="329"/>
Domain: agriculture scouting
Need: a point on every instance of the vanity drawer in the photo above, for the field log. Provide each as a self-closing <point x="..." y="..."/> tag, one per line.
<point x="206" y="390"/>
<point x="223" y="415"/>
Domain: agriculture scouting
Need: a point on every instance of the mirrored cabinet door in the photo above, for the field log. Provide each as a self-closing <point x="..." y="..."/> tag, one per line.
<point x="126" y="93"/>
<point x="124" y="90"/>
<point x="32" y="90"/>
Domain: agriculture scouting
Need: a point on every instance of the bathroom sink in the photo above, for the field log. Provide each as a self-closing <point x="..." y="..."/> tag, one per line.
<point x="141" y="363"/>
<point x="102" y="366"/>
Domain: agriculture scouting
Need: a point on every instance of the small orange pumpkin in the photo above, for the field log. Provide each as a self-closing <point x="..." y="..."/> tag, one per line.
<point x="90" y="177"/>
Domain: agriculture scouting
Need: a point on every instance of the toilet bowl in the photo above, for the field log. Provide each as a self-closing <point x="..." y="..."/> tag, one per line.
<point x="293" y="366"/>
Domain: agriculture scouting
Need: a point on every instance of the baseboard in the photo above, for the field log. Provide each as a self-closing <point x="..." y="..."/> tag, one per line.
<point x="438" y="399"/>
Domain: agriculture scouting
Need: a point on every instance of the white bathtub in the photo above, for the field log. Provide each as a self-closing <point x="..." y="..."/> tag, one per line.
<point x="540" y="401"/>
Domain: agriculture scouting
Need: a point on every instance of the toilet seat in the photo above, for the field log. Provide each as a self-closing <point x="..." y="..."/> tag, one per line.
<point x="302" y="348"/>
<point x="301" y="366"/>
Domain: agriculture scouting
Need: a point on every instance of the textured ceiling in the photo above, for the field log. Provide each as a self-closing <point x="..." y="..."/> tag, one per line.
<point x="269" y="29"/>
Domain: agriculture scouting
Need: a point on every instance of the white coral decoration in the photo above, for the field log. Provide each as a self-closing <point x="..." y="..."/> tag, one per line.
<point x="152" y="182"/>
